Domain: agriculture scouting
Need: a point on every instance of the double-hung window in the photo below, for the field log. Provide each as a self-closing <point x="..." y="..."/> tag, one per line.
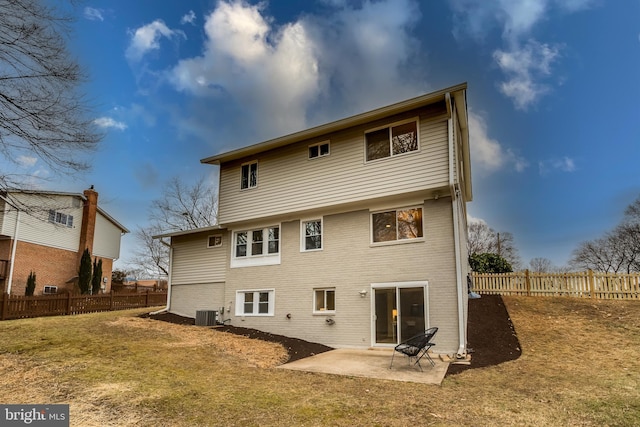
<point x="324" y="301"/>
<point x="259" y="246"/>
<point x="399" y="138"/>
<point x="311" y="233"/>
<point x="249" y="175"/>
<point x="255" y="302"/>
<point x="397" y="225"/>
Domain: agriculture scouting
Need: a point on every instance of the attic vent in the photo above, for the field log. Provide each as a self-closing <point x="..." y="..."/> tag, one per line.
<point x="206" y="317"/>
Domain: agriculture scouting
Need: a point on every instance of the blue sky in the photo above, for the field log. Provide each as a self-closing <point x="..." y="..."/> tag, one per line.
<point x="553" y="95"/>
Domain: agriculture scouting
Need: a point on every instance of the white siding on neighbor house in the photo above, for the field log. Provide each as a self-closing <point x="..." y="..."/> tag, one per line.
<point x="7" y="219"/>
<point x="34" y="221"/>
<point x="187" y="299"/>
<point x="290" y="182"/>
<point x="106" y="240"/>
<point x="193" y="262"/>
<point x="349" y="263"/>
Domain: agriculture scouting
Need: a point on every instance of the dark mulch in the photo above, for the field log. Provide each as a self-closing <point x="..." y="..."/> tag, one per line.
<point x="491" y="335"/>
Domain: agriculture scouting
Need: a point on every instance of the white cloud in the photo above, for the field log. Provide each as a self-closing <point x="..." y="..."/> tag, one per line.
<point x="27" y="161"/>
<point x="189" y="18"/>
<point x="524" y="61"/>
<point x="284" y="74"/>
<point x="525" y="67"/>
<point x="93" y="14"/>
<point x="562" y="164"/>
<point x="487" y="153"/>
<point x="108" y="122"/>
<point x="147" y="38"/>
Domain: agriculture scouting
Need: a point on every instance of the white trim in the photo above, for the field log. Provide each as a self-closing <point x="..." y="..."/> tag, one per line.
<point x="303" y="234"/>
<point x="240" y="304"/>
<point x="397" y="285"/>
<point x="249" y="186"/>
<point x="215" y="245"/>
<point x="390" y="126"/>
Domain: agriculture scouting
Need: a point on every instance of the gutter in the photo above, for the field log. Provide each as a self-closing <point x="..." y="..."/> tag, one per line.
<point x="166" y="309"/>
<point x="455" y="194"/>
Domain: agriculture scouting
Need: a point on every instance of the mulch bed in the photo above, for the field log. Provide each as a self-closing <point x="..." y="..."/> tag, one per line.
<point x="491" y="336"/>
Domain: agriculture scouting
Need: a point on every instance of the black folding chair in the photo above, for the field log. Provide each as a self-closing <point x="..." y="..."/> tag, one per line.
<point x="417" y="347"/>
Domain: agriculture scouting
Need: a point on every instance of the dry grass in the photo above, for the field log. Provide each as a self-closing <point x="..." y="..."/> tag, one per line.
<point x="579" y="367"/>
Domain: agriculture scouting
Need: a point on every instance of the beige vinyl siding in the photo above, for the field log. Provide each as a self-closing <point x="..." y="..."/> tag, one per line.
<point x="106" y="240"/>
<point x="349" y="263"/>
<point x="36" y="228"/>
<point x="7" y="220"/>
<point x="187" y="299"/>
<point x="290" y="182"/>
<point x="193" y="262"/>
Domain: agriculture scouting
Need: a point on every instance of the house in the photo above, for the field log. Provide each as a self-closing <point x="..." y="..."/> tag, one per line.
<point x="350" y="234"/>
<point x="46" y="232"/>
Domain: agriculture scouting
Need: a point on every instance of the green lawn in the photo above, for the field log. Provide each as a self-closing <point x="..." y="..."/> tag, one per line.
<point x="579" y="366"/>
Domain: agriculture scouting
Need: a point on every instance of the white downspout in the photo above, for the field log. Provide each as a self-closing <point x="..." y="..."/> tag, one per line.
<point x="13" y="251"/>
<point x="462" y="341"/>
<point x="168" y="279"/>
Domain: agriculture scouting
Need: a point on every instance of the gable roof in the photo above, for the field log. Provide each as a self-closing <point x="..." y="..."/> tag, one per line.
<point x="458" y="92"/>
<point x="67" y="194"/>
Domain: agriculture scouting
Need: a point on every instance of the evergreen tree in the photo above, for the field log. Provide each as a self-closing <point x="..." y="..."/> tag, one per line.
<point x="96" y="280"/>
<point x="84" y="272"/>
<point x="489" y="263"/>
<point x="31" y="284"/>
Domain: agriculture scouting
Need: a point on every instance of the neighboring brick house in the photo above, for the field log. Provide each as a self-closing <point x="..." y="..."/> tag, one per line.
<point x="350" y="234"/>
<point x="53" y="229"/>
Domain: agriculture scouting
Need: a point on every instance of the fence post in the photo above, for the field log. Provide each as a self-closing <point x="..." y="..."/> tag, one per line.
<point x="5" y="305"/>
<point x="111" y="300"/>
<point x="146" y="299"/>
<point x="68" y="312"/>
<point x="527" y="280"/>
<point x="592" y="284"/>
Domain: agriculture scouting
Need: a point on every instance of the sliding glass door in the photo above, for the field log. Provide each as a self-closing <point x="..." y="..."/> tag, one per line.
<point x="399" y="311"/>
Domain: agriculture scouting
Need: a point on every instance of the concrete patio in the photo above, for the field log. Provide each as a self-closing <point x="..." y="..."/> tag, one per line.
<point x="371" y="364"/>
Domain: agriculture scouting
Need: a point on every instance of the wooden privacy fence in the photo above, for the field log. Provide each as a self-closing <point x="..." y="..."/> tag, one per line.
<point x="588" y="284"/>
<point x="18" y="307"/>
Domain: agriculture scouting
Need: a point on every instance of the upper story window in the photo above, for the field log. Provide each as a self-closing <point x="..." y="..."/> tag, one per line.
<point x="252" y="243"/>
<point x="397" y="224"/>
<point x="319" y="150"/>
<point x="60" y="218"/>
<point x="311" y="233"/>
<point x="392" y="140"/>
<point x="249" y="175"/>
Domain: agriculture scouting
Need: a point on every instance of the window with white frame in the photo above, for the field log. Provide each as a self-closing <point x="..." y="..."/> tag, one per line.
<point x="393" y="140"/>
<point x="324" y="301"/>
<point x="249" y="175"/>
<point x="214" y="241"/>
<point x="255" y="302"/>
<point x="60" y="218"/>
<point x="311" y="233"/>
<point x="397" y="224"/>
<point x="251" y="243"/>
<point x="319" y="150"/>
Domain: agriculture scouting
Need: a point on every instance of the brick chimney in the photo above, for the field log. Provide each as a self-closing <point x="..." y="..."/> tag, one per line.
<point x="88" y="228"/>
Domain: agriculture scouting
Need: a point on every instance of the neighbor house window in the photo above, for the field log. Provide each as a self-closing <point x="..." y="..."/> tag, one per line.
<point x="60" y="218"/>
<point x="255" y="302"/>
<point x="48" y="289"/>
<point x="311" y="235"/>
<point x="249" y="175"/>
<point x="319" y="150"/>
<point x="324" y="300"/>
<point x="252" y="243"/>
<point x="214" y="241"/>
<point x="398" y="224"/>
<point x="392" y="140"/>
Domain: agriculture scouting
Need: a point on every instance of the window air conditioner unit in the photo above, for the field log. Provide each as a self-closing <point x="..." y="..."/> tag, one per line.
<point x="206" y="317"/>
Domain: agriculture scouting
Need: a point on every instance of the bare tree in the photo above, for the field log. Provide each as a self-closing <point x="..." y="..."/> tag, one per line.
<point x="484" y="239"/>
<point x="541" y="265"/>
<point x="181" y="207"/>
<point x="619" y="249"/>
<point x="42" y="113"/>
